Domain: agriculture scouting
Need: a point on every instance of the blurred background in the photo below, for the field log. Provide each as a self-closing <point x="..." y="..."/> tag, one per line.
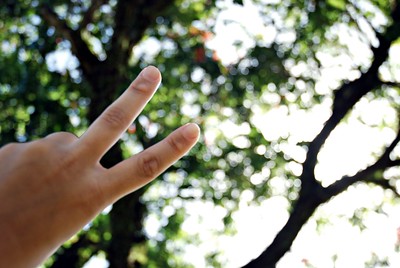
<point x="298" y="103"/>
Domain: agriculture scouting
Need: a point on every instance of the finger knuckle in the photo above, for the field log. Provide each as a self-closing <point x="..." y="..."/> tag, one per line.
<point x="10" y="147"/>
<point x="67" y="135"/>
<point x="37" y="153"/>
<point x="175" y="144"/>
<point x="114" y="117"/>
<point x="11" y="151"/>
<point x="55" y="153"/>
<point x="141" y="87"/>
<point x="149" y="166"/>
<point x="38" y="147"/>
<point x="62" y="137"/>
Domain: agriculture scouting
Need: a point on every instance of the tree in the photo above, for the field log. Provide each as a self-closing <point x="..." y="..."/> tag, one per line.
<point x="312" y="193"/>
<point x="102" y="40"/>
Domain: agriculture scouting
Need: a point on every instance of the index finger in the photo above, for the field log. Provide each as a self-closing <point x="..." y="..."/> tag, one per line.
<point x="108" y="127"/>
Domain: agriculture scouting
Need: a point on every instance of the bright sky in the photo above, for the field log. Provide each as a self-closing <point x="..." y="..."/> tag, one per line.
<point x="345" y="152"/>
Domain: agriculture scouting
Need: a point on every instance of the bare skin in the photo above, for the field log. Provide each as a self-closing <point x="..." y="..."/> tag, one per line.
<point x="52" y="187"/>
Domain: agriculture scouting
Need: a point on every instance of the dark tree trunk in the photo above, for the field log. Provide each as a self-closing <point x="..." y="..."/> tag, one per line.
<point x="107" y="79"/>
<point x="126" y="219"/>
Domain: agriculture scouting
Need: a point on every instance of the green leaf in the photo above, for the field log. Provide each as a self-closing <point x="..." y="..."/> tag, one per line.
<point x="339" y="4"/>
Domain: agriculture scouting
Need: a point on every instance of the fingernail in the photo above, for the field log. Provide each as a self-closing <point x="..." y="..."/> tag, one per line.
<point x="191" y="131"/>
<point x="151" y="73"/>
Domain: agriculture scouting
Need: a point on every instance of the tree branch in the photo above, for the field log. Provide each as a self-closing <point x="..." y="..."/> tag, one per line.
<point x="366" y="175"/>
<point x="132" y="19"/>
<point x="390" y="84"/>
<point x="312" y="194"/>
<point x="88" y="17"/>
<point x="349" y="94"/>
<point x="394" y="163"/>
<point x="310" y="199"/>
<point x="385" y="184"/>
<point x="78" y="46"/>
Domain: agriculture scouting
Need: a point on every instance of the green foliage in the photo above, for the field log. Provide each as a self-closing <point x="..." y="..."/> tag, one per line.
<point x="36" y="99"/>
<point x="339" y="4"/>
<point x="375" y="261"/>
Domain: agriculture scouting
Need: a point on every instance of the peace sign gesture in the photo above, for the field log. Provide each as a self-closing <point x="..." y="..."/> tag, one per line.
<point x="51" y="188"/>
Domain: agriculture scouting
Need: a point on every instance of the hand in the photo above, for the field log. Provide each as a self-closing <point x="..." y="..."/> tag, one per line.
<point x="51" y="188"/>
